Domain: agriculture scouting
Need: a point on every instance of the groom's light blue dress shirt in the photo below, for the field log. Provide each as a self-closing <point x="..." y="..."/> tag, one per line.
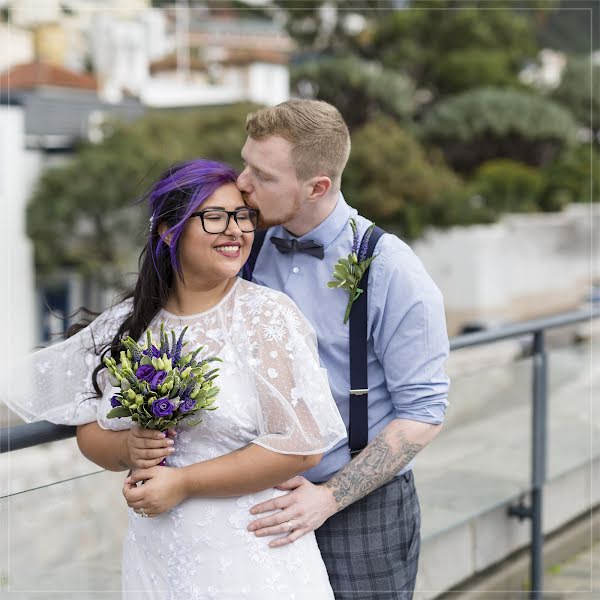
<point x="408" y="341"/>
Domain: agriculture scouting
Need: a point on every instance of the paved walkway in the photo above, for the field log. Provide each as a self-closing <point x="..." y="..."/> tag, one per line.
<point x="575" y="579"/>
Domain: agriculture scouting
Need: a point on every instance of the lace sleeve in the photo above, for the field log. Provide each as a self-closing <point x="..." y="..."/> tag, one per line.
<point x="55" y="384"/>
<point x="298" y="414"/>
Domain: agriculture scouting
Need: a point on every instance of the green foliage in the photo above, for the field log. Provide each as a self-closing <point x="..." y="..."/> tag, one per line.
<point x="574" y="177"/>
<point x="305" y="22"/>
<point x="83" y="215"/>
<point x="484" y="124"/>
<point x="576" y="93"/>
<point x="574" y="27"/>
<point x="508" y="186"/>
<point x="359" y="89"/>
<point x="447" y="48"/>
<point x="461" y="70"/>
<point x="390" y="180"/>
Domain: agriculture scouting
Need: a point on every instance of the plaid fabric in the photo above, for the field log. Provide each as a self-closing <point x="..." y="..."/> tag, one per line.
<point x="371" y="548"/>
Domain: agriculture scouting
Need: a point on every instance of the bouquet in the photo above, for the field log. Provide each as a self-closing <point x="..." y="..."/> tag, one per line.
<point x="160" y="385"/>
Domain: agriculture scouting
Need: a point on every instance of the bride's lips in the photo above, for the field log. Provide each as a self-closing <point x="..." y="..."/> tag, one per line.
<point x="229" y="249"/>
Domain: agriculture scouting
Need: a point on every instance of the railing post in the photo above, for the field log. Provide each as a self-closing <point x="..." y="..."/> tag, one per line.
<point x="539" y="417"/>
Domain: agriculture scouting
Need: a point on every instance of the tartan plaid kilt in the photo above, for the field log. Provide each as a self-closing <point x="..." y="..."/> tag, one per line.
<point x="371" y="548"/>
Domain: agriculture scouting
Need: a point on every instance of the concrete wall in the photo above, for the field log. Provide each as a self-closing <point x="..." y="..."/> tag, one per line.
<point x="521" y="267"/>
<point x="18" y="171"/>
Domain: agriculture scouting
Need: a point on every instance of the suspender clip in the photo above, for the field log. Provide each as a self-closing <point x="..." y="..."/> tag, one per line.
<point x="359" y="392"/>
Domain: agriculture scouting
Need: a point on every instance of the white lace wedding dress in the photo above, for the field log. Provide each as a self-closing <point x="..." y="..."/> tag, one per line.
<point x="272" y="392"/>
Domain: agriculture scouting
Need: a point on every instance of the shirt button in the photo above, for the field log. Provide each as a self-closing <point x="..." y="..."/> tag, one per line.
<point x="295" y="270"/>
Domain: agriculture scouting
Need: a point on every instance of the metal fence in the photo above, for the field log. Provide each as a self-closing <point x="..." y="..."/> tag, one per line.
<point x="33" y="434"/>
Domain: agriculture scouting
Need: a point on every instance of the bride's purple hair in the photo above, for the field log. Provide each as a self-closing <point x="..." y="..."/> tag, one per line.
<point x="172" y="199"/>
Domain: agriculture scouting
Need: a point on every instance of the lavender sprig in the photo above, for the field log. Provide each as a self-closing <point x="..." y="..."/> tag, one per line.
<point x="354" y="236"/>
<point x="362" y="254"/>
<point x="179" y="346"/>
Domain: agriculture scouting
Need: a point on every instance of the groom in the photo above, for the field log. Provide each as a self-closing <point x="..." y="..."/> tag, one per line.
<point x="364" y="509"/>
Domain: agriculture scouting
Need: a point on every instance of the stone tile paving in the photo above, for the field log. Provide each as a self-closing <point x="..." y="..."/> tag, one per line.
<point x="575" y="579"/>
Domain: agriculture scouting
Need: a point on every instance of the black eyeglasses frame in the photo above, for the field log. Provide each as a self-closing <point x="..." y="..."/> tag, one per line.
<point x="229" y="213"/>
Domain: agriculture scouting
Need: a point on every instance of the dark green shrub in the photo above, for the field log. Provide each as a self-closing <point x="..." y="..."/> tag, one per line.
<point x="462" y="70"/>
<point x="574" y="177"/>
<point x="487" y="123"/>
<point x="360" y="90"/>
<point x="390" y="179"/>
<point x="577" y="94"/>
<point x="508" y="186"/>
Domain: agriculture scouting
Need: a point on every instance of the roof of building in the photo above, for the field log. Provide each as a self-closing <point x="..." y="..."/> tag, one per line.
<point x="252" y="55"/>
<point x="35" y="74"/>
<point x="169" y="63"/>
<point x="56" y="118"/>
<point x="231" y="56"/>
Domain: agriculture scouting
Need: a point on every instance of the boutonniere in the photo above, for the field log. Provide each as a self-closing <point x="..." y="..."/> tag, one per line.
<point x="348" y="272"/>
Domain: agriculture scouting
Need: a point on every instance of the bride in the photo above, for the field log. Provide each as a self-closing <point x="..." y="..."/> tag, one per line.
<point x="187" y="536"/>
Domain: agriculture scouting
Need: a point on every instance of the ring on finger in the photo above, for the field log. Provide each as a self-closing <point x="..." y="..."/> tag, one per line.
<point x="290" y="526"/>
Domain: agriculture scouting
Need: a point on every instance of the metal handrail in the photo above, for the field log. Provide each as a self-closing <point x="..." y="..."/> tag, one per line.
<point x="24" y="436"/>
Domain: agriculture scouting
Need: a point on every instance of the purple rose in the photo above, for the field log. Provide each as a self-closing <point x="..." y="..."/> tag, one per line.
<point x="162" y="407"/>
<point x="157" y="379"/>
<point x="114" y="402"/>
<point x="187" y="405"/>
<point x="145" y="373"/>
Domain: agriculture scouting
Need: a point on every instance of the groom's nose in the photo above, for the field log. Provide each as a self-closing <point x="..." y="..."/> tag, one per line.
<point x="243" y="181"/>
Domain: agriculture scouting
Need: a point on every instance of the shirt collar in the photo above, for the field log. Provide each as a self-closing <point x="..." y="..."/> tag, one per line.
<point x="328" y="231"/>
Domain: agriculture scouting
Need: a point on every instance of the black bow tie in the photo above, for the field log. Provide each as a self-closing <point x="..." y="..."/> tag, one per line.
<point x="307" y="246"/>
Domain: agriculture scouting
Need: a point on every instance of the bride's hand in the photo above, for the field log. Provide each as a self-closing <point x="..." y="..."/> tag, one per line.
<point x="148" y="447"/>
<point x="163" y="488"/>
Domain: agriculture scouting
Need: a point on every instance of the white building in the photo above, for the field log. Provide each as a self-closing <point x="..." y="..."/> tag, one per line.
<point x="16" y="46"/>
<point x="122" y="49"/>
<point x="18" y="171"/>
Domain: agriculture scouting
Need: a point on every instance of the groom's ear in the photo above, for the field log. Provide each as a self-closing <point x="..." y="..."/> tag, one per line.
<point x="318" y="187"/>
<point x="161" y="231"/>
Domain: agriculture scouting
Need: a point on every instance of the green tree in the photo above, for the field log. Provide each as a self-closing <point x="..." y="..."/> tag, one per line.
<point x="449" y="47"/>
<point x="322" y="25"/>
<point x="577" y="93"/>
<point x="84" y="216"/>
<point x="484" y="124"/>
<point x="359" y="89"/>
<point x="390" y="179"/>
<point x="574" y="177"/>
<point x="508" y="186"/>
<point x="573" y="27"/>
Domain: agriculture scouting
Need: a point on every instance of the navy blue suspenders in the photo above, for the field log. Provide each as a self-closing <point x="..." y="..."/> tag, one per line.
<point x="358" y="431"/>
<point x="358" y="434"/>
<point x="248" y="269"/>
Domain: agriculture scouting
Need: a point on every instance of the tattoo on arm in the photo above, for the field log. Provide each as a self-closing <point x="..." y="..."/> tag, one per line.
<point x="387" y="454"/>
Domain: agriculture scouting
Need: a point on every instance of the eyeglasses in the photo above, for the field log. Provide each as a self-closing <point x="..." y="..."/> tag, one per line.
<point x="216" y="220"/>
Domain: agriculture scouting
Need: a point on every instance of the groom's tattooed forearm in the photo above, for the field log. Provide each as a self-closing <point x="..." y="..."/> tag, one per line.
<point x="377" y="463"/>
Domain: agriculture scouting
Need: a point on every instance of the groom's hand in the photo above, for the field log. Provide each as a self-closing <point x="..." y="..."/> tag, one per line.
<point x="306" y="507"/>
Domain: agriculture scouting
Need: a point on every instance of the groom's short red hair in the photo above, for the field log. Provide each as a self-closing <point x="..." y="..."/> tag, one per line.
<point x="317" y="131"/>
